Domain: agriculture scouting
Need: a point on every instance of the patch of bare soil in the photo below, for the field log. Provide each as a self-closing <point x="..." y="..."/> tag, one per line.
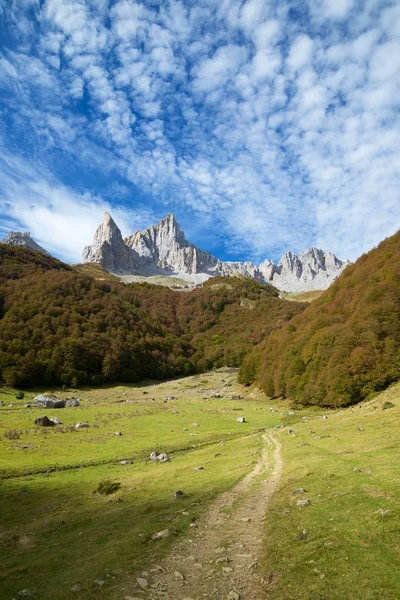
<point x="219" y="559"/>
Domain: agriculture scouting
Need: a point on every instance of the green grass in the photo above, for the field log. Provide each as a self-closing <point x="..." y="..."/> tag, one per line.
<point x="57" y="533"/>
<point x="350" y="469"/>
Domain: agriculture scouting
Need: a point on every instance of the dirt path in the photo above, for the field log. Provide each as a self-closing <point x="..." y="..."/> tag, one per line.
<point x="219" y="560"/>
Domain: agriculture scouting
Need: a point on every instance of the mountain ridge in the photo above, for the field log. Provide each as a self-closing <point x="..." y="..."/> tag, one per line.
<point x="23" y="239"/>
<point x="163" y="249"/>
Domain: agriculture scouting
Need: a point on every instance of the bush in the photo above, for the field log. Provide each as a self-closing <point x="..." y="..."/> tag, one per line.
<point x="13" y="434"/>
<point x="20" y="395"/>
<point x="107" y="487"/>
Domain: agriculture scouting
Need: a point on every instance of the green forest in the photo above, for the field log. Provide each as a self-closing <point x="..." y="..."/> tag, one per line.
<point x="59" y="326"/>
<point x="345" y="345"/>
<point x="62" y="326"/>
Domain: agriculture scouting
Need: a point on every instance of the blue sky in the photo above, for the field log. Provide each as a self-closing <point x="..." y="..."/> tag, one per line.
<point x="262" y="125"/>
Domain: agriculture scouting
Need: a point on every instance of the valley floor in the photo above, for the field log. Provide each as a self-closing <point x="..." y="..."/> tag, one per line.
<point x="309" y="510"/>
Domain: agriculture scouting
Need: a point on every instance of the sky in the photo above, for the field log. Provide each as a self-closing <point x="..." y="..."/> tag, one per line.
<point x="263" y="125"/>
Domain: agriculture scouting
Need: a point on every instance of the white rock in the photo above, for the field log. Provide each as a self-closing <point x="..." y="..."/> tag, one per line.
<point x="164" y="250"/>
<point x="23" y="239"/>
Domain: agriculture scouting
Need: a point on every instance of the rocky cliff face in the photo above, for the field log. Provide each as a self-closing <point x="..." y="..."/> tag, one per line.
<point x="19" y="238"/>
<point x="163" y="249"/>
<point x="110" y="251"/>
<point x="312" y="269"/>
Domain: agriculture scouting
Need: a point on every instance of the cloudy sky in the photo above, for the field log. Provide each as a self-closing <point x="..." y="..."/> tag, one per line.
<point x="264" y="125"/>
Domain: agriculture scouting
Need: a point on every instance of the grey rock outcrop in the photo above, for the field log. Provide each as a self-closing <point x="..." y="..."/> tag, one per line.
<point x="312" y="269"/>
<point x="164" y="250"/>
<point x="110" y="251"/>
<point x="23" y="239"/>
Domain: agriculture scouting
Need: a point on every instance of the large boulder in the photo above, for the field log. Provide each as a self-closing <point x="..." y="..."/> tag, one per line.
<point x="44" y="401"/>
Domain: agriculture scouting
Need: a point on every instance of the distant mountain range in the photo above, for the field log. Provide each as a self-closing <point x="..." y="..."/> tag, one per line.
<point x="164" y="250"/>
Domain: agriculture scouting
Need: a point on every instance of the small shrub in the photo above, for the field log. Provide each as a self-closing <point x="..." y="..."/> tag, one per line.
<point x="13" y="434"/>
<point x="20" y="395"/>
<point x="107" y="487"/>
<point x="387" y="405"/>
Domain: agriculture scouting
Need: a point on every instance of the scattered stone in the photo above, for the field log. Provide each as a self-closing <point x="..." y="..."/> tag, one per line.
<point x="27" y="593"/>
<point x="195" y="425"/>
<point x="272" y="410"/>
<point x="169" y="398"/>
<point x="175" y="412"/>
<point x="384" y="512"/>
<point x="25" y="406"/>
<point x="56" y="420"/>
<point x="160" y="535"/>
<point x="236" y="397"/>
<point x="99" y="582"/>
<point x="178" y="575"/>
<point x="117" y="433"/>
<point x="222" y="559"/>
<point x="241" y="420"/>
<point x="303" y="502"/>
<point x="142" y="583"/>
<point x="233" y="595"/>
<point x="81" y="426"/>
<point x="216" y="395"/>
<point x="125" y="462"/>
<point x="159" y="457"/>
<point x="302" y="535"/>
<point x="198" y="469"/>
<point x="193" y="525"/>
<point x="356" y="470"/>
<point x="44" y="422"/>
<point x="299" y="491"/>
<point x="76" y="588"/>
<point x="324" y="418"/>
<point x="291" y="431"/>
<point x="178" y="494"/>
<point x="72" y="402"/>
<point x="245" y="519"/>
<point x="360" y="428"/>
<point x="227" y="569"/>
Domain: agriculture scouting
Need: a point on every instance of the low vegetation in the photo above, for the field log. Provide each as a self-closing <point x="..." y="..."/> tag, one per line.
<point x="58" y="535"/>
<point x="344" y="543"/>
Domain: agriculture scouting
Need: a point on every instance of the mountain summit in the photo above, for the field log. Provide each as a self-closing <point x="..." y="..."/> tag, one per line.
<point x="164" y="250"/>
<point x="23" y="238"/>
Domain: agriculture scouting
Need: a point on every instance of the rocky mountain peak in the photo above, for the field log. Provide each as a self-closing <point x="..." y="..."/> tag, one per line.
<point x="23" y="239"/>
<point x="164" y="249"/>
<point x="109" y="249"/>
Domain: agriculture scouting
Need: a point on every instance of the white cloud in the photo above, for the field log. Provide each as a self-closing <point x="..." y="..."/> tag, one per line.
<point x="216" y="71"/>
<point x="300" y="52"/>
<point x="230" y="110"/>
<point x="337" y="9"/>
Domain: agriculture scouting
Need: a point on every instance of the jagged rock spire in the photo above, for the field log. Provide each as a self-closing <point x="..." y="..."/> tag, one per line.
<point x="163" y="248"/>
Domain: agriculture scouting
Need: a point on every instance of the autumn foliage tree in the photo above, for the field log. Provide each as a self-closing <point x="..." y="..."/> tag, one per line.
<point x="345" y="345"/>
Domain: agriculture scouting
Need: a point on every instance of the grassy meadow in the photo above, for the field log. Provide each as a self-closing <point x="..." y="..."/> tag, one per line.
<point x="65" y="541"/>
<point x="59" y="537"/>
<point x="346" y="542"/>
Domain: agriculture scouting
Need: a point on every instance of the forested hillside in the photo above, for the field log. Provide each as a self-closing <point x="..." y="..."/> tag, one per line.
<point x="343" y="346"/>
<point x="59" y="326"/>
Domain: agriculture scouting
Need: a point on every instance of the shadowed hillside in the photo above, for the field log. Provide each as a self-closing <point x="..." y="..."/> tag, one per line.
<point x="342" y="347"/>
